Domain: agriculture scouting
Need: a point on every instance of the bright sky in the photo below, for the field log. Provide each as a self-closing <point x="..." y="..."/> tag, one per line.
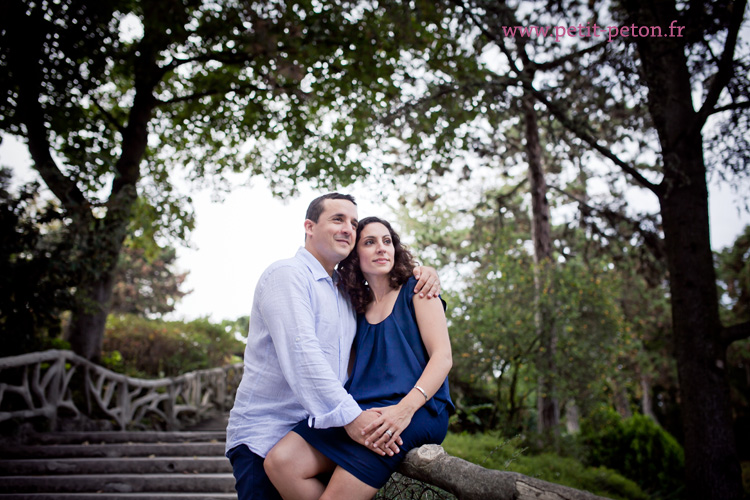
<point x="235" y="240"/>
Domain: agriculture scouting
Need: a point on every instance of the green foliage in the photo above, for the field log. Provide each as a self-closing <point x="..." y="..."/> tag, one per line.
<point x="738" y="361"/>
<point x="118" y="99"/>
<point x="39" y="268"/>
<point x="146" y="285"/>
<point x="286" y="90"/>
<point x="638" y="448"/>
<point x="492" y="452"/>
<point x="238" y="328"/>
<point x="492" y="315"/>
<point x="35" y="274"/>
<point x="598" y="480"/>
<point x="733" y="273"/>
<point x="147" y="348"/>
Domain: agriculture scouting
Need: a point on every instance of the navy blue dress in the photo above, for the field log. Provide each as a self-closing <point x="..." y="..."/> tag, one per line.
<point x="390" y="358"/>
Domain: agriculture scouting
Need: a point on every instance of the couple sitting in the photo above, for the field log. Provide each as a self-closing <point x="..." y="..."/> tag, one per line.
<point x="321" y="413"/>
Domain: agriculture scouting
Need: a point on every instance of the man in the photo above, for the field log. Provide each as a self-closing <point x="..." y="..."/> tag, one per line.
<point x="297" y="355"/>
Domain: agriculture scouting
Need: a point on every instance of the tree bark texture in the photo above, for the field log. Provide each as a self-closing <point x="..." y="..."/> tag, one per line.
<point x="647" y="406"/>
<point x="548" y="402"/>
<point x="712" y="465"/>
<point x="467" y="481"/>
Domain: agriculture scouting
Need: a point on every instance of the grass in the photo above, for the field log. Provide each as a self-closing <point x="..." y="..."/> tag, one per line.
<point x="493" y="452"/>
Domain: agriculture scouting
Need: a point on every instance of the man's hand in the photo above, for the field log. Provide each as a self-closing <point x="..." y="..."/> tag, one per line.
<point x="385" y="431"/>
<point x="428" y="283"/>
<point x="355" y="430"/>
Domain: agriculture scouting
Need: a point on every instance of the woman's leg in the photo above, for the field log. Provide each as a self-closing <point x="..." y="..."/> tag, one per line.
<point x="292" y="466"/>
<point x="343" y="485"/>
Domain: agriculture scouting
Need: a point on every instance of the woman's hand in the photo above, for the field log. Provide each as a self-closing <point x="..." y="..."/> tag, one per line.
<point x="391" y="418"/>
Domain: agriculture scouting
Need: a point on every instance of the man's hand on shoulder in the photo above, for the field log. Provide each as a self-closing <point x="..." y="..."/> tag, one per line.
<point x="428" y="283"/>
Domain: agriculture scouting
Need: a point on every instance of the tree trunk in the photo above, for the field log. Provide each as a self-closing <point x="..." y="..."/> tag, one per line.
<point x="620" y="398"/>
<point x="86" y="329"/>
<point x="514" y="407"/>
<point x="712" y="463"/>
<point x="711" y="460"/>
<point x="104" y="242"/>
<point x="647" y="405"/>
<point x="572" y="417"/>
<point x="547" y="400"/>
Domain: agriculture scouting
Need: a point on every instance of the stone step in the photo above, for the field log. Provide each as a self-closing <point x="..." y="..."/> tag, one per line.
<point x="106" y="450"/>
<point x="119" y="483"/>
<point x="127" y="465"/>
<point x="125" y="437"/>
<point x="184" y="465"/>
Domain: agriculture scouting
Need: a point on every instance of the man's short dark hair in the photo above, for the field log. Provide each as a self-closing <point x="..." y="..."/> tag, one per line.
<point x="316" y="206"/>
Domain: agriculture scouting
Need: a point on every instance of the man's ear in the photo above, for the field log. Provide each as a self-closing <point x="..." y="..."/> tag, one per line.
<point x="308" y="227"/>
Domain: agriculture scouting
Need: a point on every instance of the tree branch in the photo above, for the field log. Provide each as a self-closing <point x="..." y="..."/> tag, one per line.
<point x="589" y="139"/>
<point x="222" y="57"/>
<point x="558" y="112"/>
<point x="653" y="241"/>
<point x="731" y="107"/>
<point x="25" y="58"/>
<point x="500" y="198"/>
<point x="111" y="119"/>
<point x="569" y="57"/>
<point x="191" y="97"/>
<point x="242" y="89"/>
<point x="439" y="92"/>
<point x="736" y="332"/>
<point x="725" y="67"/>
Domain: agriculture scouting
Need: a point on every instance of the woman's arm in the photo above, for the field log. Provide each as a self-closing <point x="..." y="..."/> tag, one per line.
<point x="433" y="327"/>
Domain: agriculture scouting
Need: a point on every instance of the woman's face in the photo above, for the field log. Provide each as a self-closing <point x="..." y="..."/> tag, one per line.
<point x="375" y="249"/>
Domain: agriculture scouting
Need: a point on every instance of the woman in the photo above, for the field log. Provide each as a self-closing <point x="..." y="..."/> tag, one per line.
<point x="401" y="358"/>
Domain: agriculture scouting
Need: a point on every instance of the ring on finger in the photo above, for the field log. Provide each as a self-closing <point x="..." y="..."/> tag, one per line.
<point x="389" y="432"/>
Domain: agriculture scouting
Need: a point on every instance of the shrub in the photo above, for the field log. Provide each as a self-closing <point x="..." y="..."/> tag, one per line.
<point x="148" y="348"/>
<point x="493" y="452"/>
<point x="641" y="450"/>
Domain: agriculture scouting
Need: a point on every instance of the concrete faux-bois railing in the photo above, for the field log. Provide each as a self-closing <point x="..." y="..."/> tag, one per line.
<point x="42" y="385"/>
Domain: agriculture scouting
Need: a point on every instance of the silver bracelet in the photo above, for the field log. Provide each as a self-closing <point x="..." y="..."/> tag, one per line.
<point x="423" y="393"/>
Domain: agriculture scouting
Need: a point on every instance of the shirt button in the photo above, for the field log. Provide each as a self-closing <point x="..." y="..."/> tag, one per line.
<point x="296" y="339"/>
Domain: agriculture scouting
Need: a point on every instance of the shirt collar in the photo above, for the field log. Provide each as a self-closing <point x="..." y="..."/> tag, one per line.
<point x="316" y="268"/>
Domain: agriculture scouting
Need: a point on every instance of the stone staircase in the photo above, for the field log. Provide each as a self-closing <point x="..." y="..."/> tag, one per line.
<point x="187" y="465"/>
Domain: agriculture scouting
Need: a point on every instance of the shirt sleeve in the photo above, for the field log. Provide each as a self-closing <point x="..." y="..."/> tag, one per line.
<point x="286" y="306"/>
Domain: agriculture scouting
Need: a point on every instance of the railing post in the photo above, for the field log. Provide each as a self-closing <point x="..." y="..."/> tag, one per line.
<point x="123" y="397"/>
<point x="169" y="409"/>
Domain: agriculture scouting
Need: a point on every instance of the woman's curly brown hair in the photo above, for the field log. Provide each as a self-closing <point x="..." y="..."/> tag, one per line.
<point x="352" y="279"/>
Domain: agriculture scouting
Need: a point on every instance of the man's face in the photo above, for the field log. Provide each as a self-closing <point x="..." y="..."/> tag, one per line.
<point x="331" y="239"/>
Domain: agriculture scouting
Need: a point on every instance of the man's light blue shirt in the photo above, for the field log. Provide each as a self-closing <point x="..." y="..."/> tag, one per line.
<point x="297" y="356"/>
